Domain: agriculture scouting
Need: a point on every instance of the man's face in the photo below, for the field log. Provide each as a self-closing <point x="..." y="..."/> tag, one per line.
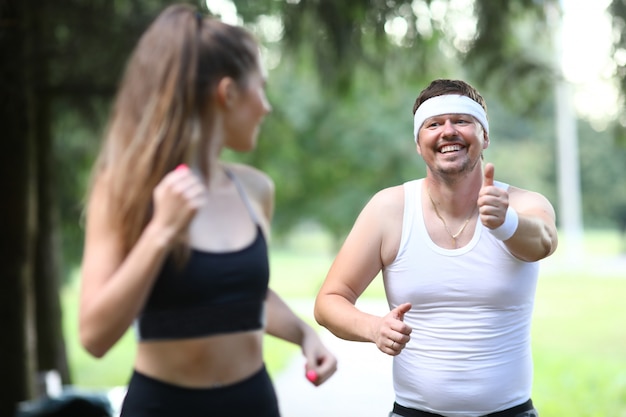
<point x="451" y="144"/>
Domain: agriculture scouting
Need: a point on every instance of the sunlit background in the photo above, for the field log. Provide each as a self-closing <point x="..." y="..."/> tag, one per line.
<point x="586" y="36"/>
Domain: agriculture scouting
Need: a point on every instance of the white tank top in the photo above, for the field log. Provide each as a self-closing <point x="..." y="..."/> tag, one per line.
<point x="469" y="352"/>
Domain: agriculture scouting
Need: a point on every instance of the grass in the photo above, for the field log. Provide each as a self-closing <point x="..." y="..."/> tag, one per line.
<point x="579" y="327"/>
<point x="579" y="345"/>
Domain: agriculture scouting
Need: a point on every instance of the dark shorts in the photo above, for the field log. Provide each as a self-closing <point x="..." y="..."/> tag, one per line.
<point x="148" y="397"/>
<point x="523" y="410"/>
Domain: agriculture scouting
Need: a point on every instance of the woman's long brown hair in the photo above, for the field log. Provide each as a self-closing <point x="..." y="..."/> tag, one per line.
<point x="162" y="113"/>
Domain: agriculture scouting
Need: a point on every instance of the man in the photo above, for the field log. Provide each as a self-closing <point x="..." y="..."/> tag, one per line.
<point x="459" y="256"/>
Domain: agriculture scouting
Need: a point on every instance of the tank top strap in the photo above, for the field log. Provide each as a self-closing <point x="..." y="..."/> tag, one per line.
<point x="244" y="195"/>
<point x="412" y="210"/>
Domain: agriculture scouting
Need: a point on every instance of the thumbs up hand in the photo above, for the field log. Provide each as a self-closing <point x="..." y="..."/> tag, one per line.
<point x="489" y="173"/>
<point x="493" y="201"/>
<point x="392" y="333"/>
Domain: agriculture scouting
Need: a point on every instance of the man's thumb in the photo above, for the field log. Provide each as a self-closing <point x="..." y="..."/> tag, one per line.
<point x="399" y="311"/>
<point x="489" y="174"/>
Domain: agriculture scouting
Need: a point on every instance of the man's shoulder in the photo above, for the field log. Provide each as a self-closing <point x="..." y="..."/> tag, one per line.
<point x="389" y="198"/>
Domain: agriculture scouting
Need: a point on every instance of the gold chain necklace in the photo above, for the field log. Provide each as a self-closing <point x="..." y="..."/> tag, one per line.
<point x="445" y="225"/>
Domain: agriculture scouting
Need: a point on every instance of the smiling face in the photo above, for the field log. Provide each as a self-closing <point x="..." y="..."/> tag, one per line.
<point x="451" y="144"/>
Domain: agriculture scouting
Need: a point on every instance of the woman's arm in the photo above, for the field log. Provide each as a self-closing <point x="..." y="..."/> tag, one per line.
<point x="283" y="323"/>
<point x="114" y="285"/>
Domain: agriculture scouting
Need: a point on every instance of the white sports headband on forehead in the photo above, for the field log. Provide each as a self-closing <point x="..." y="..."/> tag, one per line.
<point x="448" y="104"/>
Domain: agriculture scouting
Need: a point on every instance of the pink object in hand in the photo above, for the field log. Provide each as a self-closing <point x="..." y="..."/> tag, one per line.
<point x="181" y="166"/>
<point x="311" y="375"/>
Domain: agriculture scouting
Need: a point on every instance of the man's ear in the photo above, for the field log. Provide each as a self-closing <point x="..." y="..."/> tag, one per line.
<point x="485" y="139"/>
<point x="226" y="92"/>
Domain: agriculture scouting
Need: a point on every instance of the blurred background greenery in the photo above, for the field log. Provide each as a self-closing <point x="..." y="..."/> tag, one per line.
<point x="343" y="76"/>
<point x="342" y="83"/>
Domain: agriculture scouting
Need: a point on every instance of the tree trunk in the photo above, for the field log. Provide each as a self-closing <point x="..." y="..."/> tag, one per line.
<point x="50" y="343"/>
<point x="51" y="354"/>
<point x="17" y="167"/>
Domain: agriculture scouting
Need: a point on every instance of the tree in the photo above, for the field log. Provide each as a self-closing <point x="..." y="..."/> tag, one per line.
<point x="18" y="113"/>
<point x="345" y="35"/>
<point x="41" y="46"/>
<point x="617" y="9"/>
<point x="345" y="76"/>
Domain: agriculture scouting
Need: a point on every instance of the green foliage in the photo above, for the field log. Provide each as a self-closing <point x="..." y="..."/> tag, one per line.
<point x="86" y="44"/>
<point x="617" y="10"/>
<point x="514" y="41"/>
<point x="76" y="142"/>
<point x="338" y="33"/>
<point x="329" y="149"/>
<point x="345" y="37"/>
<point x="603" y="167"/>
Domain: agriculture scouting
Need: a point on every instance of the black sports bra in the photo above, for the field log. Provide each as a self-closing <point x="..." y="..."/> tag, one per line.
<point x="213" y="293"/>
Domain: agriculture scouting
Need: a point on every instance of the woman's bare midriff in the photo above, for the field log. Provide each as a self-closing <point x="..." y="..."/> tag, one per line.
<point x="206" y="362"/>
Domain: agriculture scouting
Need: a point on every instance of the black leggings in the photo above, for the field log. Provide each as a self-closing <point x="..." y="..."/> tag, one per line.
<point x="148" y="397"/>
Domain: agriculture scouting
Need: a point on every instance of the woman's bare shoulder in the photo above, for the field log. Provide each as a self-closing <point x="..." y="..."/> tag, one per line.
<point x="252" y="178"/>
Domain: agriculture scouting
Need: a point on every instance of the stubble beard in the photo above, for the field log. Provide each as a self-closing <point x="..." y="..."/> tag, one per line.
<point x="451" y="175"/>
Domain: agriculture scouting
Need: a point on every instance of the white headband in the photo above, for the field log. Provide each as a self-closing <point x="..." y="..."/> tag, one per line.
<point x="448" y="104"/>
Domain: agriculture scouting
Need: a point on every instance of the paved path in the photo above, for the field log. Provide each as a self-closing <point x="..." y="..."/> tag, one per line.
<point x="361" y="386"/>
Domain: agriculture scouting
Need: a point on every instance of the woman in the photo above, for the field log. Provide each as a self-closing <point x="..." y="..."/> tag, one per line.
<point x="176" y="238"/>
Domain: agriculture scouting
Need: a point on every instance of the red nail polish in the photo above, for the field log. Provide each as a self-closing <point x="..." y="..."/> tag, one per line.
<point x="311" y="375"/>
